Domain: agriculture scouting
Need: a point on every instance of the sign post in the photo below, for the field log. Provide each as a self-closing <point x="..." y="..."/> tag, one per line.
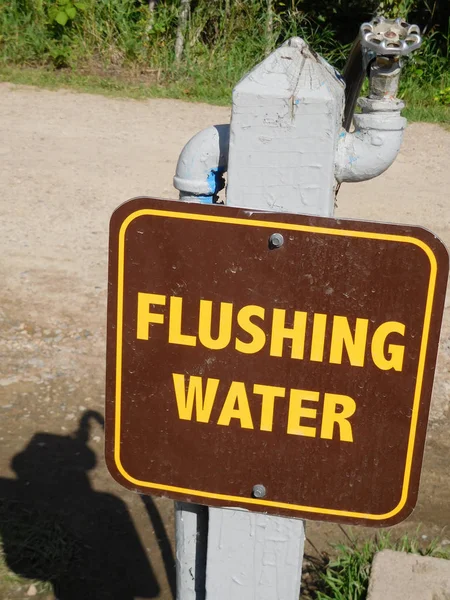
<point x="273" y="366"/>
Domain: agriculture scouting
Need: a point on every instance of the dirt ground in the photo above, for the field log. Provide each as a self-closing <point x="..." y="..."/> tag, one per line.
<point x="67" y="160"/>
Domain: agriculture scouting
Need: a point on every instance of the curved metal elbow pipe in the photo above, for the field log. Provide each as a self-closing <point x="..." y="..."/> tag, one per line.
<point x="373" y="146"/>
<point x="202" y="163"/>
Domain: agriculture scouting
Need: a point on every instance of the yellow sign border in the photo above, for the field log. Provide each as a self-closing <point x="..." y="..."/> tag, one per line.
<point x="279" y="226"/>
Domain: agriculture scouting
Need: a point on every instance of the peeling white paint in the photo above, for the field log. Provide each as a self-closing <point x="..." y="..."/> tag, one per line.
<point x="190" y="520"/>
<point x="285" y="123"/>
<point x="258" y="556"/>
<point x="202" y="161"/>
<point x="375" y="143"/>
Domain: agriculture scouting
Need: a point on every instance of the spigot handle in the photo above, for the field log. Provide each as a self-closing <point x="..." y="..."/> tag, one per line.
<point x="390" y="37"/>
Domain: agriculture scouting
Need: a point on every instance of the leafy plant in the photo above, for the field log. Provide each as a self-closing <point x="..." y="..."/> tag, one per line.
<point x="443" y="97"/>
<point x="64" y="11"/>
<point x="396" y="8"/>
<point x="61" y="53"/>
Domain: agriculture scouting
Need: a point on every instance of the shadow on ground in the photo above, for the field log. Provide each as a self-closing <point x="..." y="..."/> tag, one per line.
<point x="56" y="528"/>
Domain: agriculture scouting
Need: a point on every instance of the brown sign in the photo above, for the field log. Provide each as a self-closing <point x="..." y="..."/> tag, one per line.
<point x="301" y="363"/>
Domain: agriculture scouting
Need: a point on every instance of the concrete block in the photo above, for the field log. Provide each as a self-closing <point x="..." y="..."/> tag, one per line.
<point x="402" y="576"/>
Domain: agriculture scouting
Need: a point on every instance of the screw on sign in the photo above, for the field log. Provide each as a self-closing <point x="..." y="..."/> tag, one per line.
<point x="307" y="401"/>
<point x="276" y="240"/>
<point x="259" y="491"/>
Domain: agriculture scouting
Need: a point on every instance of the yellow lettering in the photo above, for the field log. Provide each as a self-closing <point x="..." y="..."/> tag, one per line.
<point x="318" y="337"/>
<point x="205" y="325"/>
<point x="297" y="411"/>
<point x="280" y="332"/>
<point x="330" y="417"/>
<point x="355" y="346"/>
<point x="185" y="403"/>
<point x="144" y="316"/>
<point x="176" y="314"/>
<point x="268" y="393"/>
<point x="236" y="406"/>
<point x="245" y="323"/>
<point x="395" y="352"/>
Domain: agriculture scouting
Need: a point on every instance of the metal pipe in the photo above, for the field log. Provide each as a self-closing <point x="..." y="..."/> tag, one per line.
<point x="373" y="146"/>
<point x="202" y="163"/>
<point x="376" y="53"/>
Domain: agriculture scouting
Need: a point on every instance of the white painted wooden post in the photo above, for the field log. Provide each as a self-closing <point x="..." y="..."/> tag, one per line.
<point x="287" y="153"/>
<point x="284" y="129"/>
<point x="191" y="527"/>
<point x="285" y="124"/>
<point x="253" y="556"/>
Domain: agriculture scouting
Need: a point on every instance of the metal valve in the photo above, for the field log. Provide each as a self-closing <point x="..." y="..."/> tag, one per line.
<point x="390" y="37"/>
<point x="377" y="52"/>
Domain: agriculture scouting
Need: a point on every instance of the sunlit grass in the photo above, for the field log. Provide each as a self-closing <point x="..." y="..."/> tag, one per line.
<point x="347" y="576"/>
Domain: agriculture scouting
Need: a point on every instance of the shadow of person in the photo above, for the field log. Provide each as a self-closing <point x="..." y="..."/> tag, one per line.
<point x="56" y="528"/>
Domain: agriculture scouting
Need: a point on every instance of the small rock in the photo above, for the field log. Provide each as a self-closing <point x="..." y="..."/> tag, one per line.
<point x="32" y="591"/>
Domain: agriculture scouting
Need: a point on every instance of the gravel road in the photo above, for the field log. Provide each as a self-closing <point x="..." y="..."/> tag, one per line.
<point x="67" y="160"/>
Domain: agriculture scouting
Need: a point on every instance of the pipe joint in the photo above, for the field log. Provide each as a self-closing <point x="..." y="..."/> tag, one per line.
<point x="373" y="146"/>
<point x="202" y="164"/>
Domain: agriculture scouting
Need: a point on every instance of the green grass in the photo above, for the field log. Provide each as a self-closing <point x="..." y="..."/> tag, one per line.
<point x="124" y="86"/>
<point x="110" y="47"/>
<point x="34" y="548"/>
<point x="421" y="106"/>
<point x="420" y="103"/>
<point x="20" y="585"/>
<point x="105" y="85"/>
<point x="347" y="576"/>
<point x="420" y="98"/>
